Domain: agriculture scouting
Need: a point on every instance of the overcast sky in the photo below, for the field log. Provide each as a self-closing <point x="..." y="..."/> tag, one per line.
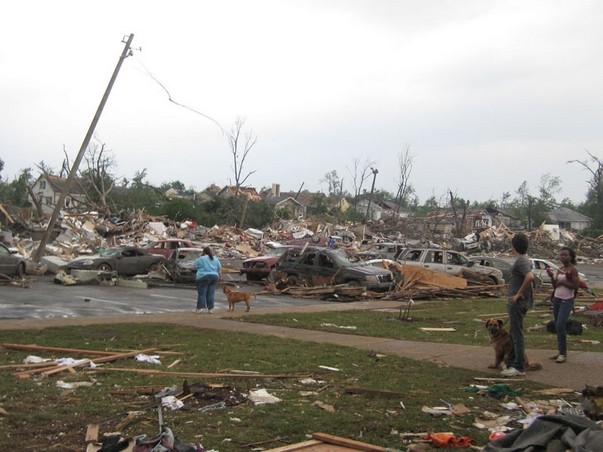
<point x="485" y="94"/>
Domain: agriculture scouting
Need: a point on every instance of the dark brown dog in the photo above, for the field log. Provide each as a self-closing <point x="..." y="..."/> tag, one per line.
<point x="501" y="341"/>
<point x="234" y="297"/>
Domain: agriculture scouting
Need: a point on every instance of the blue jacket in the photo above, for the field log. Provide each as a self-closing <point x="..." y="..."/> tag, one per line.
<point x="206" y="266"/>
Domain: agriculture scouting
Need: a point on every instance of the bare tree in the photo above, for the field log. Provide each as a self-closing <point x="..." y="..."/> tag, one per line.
<point x="360" y="173"/>
<point x="334" y="183"/>
<point x="97" y="179"/>
<point x="240" y="146"/>
<point x="459" y="218"/>
<point x="405" y="163"/>
<point x="594" y="166"/>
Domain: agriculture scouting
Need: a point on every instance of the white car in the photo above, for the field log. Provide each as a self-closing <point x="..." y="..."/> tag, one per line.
<point x="449" y="261"/>
<point x="539" y="267"/>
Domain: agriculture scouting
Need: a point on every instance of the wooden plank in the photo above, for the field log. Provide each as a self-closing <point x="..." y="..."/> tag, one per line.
<point x="423" y="275"/>
<point x="56" y="368"/>
<point x="198" y="374"/>
<point x="174" y="363"/>
<point x="374" y="392"/>
<point x="330" y="439"/>
<point x="446" y="330"/>
<point x="297" y="446"/>
<point x="75" y="351"/>
<point x="92" y="433"/>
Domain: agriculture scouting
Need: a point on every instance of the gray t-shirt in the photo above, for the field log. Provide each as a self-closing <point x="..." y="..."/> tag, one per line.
<point x="521" y="267"/>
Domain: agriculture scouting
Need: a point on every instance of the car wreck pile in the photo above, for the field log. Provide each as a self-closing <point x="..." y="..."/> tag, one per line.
<point x="81" y="235"/>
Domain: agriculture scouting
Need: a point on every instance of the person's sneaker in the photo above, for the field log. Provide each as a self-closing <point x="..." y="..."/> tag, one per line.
<point x="560" y="359"/>
<point x="512" y="372"/>
<point x="199" y="311"/>
<point x="211" y="311"/>
<point x="554" y="357"/>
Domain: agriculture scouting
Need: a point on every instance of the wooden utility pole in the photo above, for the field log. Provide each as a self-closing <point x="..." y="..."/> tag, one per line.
<point x="71" y="176"/>
<point x="368" y="207"/>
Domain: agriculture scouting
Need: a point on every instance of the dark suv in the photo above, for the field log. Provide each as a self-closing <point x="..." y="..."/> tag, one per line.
<point x="306" y="264"/>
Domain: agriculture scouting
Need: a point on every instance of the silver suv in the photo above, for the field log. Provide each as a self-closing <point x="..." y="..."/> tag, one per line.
<point x="448" y="261"/>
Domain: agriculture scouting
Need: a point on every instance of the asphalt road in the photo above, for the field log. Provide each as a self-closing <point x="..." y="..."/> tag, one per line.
<point x="47" y="300"/>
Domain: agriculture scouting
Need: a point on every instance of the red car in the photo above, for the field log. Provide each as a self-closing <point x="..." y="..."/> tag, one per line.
<point x="166" y="247"/>
<point x="257" y="268"/>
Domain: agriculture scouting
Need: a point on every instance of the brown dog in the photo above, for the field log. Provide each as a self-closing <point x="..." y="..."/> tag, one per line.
<point x="234" y="297"/>
<point x="501" y="341"/>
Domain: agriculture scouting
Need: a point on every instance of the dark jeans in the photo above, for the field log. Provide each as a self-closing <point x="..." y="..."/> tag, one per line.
<point x="206" y="290"/>
<point x="561" y="312"/>
<point x="518" y="349"/>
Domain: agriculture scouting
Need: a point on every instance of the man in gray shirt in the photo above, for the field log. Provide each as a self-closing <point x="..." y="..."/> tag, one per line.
<point x="520" y="299"/>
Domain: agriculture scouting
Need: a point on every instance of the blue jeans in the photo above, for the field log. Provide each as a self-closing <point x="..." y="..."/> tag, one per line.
<point x="561" y="312"/>
<point x="206" y="291"/>
<point x="518" y="349"/>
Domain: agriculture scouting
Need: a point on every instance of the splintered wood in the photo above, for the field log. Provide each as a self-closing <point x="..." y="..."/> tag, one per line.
<point x="52" y="368"/>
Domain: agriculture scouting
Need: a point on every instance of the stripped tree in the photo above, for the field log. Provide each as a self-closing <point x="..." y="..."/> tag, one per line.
<point x="594" y="197"/>
<point x="240" y="146"/>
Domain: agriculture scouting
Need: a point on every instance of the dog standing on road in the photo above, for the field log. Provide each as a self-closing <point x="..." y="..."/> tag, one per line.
<point x="501" y="341"/>
<point x="234" y="297"/>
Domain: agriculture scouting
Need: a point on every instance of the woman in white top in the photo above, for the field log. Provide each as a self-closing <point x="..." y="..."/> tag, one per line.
<point x="566" y="282"/>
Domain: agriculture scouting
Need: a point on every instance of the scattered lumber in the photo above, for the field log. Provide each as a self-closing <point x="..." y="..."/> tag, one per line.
<point x="198" y="374"/>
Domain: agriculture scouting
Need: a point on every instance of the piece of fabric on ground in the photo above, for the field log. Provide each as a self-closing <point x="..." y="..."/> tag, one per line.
<point x="552" y="434"/>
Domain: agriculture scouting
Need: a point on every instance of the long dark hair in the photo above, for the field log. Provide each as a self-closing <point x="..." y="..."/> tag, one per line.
<point x="208" y="252"/>
<point x="571" y="252"/>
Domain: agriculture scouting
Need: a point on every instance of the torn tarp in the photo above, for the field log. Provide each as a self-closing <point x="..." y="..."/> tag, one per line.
<point x="572" y="432"/>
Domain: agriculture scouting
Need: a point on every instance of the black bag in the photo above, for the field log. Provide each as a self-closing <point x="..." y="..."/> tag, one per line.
<point x="572" y="327"/>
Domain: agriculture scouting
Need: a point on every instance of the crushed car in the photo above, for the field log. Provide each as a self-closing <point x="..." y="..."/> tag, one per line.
<point x="124" y="260"/>
<point x="313" y="264"/>
<point x="258" y="268"/>
<point x="166" y="247"/>
<point x="180" y="265"/>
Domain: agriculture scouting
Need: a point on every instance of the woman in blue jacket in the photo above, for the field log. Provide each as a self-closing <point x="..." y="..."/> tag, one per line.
<point x="209" y="272"/>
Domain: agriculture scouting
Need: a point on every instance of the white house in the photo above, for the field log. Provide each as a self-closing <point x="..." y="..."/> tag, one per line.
<point x="48" y="188"/>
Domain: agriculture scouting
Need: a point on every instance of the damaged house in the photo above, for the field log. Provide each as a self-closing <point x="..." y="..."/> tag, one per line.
<point x="393" y="209"/>
<point x="569" y="219"/>
<point x="47" y="189"/>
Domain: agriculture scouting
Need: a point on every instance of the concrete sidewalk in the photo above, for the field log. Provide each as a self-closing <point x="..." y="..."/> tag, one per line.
<point x="581" y="368"/>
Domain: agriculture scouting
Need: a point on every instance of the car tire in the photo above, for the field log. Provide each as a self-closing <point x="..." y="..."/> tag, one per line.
<point x="20" y="273"/>
<point x="494" y="280"/>
<point x="354" y="283"/>
<point x="104" y="267"/>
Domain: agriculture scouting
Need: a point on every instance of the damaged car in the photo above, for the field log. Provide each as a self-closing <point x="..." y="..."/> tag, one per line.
<point x="258" y="268"/>
<point x="11" y="263"/>
<point x="383" y="250"/>
<point x="316" y="264"/>
<point x="166" y="247"/>
<point x="180" y="265"/>
<point x="124" y="260"/>
<point x="450" y="262"/>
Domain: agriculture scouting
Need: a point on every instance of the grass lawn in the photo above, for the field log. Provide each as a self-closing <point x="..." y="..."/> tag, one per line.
<point x="36" y="414"/>
<point x="467" y="317"/>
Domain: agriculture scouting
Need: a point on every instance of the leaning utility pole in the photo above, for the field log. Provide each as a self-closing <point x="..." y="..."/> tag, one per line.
<point x="375" y="171"/>
<point x="57" y="208"/>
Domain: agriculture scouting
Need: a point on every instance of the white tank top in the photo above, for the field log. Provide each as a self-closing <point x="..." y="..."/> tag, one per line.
<point x="563" y="292"/>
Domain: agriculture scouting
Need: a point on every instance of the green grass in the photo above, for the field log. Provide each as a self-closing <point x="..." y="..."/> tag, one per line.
<point x="467" y="317"/>
<point x="44" y="417"/>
